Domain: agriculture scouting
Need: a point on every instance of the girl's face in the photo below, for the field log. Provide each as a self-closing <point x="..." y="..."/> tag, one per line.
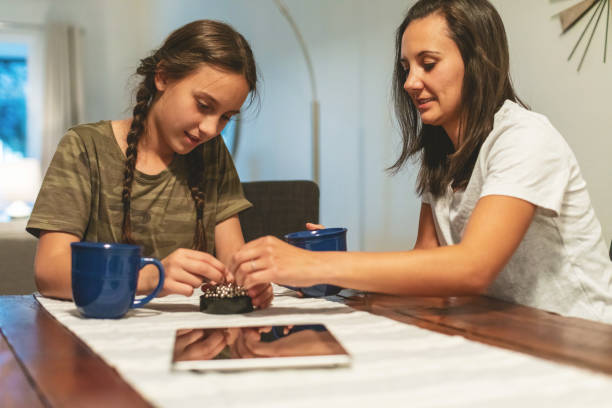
<point x="196" y="108"/>
<point x="434" y="72"/>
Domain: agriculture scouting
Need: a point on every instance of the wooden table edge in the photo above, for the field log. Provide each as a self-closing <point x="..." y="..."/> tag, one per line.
<point x="43" y="371"/>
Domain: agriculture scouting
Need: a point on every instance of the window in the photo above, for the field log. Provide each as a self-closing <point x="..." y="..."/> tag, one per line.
<point x="21" y="107"/>
<point x="13" y="109"/>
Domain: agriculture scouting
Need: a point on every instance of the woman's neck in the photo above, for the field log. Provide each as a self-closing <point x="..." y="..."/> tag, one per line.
<point x="452" y="130"/>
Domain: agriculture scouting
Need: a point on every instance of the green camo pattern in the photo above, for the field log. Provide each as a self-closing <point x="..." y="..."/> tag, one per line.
<point x="81" y="194"/>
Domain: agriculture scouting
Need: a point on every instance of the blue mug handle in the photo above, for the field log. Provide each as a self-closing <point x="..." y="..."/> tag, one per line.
<point x="160" y="284"/>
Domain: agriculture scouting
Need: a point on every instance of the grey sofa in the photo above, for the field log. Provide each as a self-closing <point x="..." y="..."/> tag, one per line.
<point x="17" y="250"/>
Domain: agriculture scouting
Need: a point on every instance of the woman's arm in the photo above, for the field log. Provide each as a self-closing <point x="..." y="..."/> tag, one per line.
<point x="494" y="231"/>
<point x="427" y="237"/>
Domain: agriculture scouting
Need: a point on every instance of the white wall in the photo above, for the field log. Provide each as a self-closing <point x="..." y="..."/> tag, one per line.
<point x="577" y="103"/>
<point x="351" y="43"/>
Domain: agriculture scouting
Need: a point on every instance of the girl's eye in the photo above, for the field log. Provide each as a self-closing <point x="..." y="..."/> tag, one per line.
<point x="429" y="66"/>
<point x="202" y="106"/>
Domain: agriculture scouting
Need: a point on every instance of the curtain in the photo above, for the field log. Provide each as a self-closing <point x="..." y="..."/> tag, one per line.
<point x="63" y="98"/>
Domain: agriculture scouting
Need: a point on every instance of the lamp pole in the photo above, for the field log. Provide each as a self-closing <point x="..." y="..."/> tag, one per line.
<point x="314" y="106"/>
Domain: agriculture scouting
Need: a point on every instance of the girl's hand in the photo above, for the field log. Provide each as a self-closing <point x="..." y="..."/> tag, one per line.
<point x="185" y="270"/>
<point x="261" y="295"/>
<point x="198" y="344"/>
<point x="269" y="259"/>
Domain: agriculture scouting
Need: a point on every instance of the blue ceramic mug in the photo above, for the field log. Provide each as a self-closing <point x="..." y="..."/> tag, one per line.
<point x="328" y="239"/>
<point x="104" y="278"/>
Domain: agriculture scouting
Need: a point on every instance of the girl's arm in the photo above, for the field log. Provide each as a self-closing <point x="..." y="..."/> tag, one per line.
<point x="53" y="263"/>
<point x="228" y="240"/>
<point x="185" y="269"/>
<point x="494" y="231"/>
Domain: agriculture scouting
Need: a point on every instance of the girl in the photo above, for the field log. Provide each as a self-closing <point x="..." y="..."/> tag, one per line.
<point x="505" y="210"/>
<point x="162" y="179"/>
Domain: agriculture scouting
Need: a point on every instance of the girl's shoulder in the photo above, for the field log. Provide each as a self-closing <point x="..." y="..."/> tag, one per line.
<point x="92" y="140"/>
<point x="97" y="132"/>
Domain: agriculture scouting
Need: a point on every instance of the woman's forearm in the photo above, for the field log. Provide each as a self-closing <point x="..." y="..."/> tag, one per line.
<point x="442" y="271"/>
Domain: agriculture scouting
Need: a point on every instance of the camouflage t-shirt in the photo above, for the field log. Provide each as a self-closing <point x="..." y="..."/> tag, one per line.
<point x="81" y="194"/>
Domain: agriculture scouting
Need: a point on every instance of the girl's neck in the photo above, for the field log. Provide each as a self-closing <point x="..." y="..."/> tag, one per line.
<point x="153" y="153"/>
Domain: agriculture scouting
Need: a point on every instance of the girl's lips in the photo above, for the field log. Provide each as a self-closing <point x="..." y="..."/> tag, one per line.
<point x="192" y="139"/>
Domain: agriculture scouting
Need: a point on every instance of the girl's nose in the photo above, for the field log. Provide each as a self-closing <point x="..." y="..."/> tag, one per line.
<point x="208" y="127"/>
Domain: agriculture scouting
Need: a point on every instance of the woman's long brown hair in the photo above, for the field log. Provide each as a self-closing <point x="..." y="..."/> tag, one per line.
<point x="477" y="29"/>
<point x="185" y="50"/>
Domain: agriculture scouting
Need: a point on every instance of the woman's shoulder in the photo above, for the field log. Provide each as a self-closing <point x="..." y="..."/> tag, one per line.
<point x="517" y="125"/>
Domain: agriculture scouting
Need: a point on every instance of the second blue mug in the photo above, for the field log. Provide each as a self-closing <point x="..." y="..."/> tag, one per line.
<point x="328" y="239"/>
<point x="105" y="276"/>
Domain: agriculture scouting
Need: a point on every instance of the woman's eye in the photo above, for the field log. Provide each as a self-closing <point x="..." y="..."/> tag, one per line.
<point x="429" y="66"/>
<point x="202" y="106"/>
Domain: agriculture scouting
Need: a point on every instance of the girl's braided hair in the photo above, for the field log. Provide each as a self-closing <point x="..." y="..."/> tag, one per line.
<point x="185" y="50"/>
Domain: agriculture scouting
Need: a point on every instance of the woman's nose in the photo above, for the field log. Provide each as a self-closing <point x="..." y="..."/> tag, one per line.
<point x="413" y="82"/>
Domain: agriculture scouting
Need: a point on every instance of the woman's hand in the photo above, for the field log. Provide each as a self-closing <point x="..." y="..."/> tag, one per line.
<point x="302" y="343"/>
<point x="185" y="270"/>
<point x="269" y="259"/>
<point x="313" y="227"/>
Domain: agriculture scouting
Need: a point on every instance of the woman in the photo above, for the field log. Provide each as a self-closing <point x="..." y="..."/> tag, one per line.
<point x="162" y="179"/>
<point x="505" y="209"/>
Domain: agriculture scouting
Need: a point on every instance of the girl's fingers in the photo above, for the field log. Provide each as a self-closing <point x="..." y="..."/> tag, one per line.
<point x="203" y="269"/>
<point x="204" y="257"/>
<point x="186" y="338"/>
<point x="207" y="348"/>
<point x="174" y="287"/>
<point x="263" y="298"/>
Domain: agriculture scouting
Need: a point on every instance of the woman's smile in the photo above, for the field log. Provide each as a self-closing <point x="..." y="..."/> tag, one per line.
<point x="424" y="103"/>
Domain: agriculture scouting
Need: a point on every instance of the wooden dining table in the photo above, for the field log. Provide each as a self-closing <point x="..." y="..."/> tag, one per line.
<point x="43" y="364"/>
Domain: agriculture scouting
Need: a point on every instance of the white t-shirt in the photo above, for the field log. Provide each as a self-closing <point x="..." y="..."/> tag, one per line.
<point x="562" y="264"/>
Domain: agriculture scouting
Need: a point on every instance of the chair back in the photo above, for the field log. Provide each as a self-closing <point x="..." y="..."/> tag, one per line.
<point x="279" y="207"/>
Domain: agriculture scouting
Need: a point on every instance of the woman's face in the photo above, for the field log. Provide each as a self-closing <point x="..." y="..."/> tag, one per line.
<point x="196" y="108"/>
<point x="434" y="72"/>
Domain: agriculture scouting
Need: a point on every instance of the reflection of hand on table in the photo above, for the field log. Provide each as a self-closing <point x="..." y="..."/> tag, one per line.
<point x="303" y="343"/>
<point x="198" y="344"/>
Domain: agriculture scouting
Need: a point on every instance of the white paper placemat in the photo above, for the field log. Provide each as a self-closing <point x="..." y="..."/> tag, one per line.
<point x="393" y="363"/>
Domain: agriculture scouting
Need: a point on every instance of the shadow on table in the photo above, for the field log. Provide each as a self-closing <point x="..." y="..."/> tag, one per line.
<point x="131" y="313"/>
